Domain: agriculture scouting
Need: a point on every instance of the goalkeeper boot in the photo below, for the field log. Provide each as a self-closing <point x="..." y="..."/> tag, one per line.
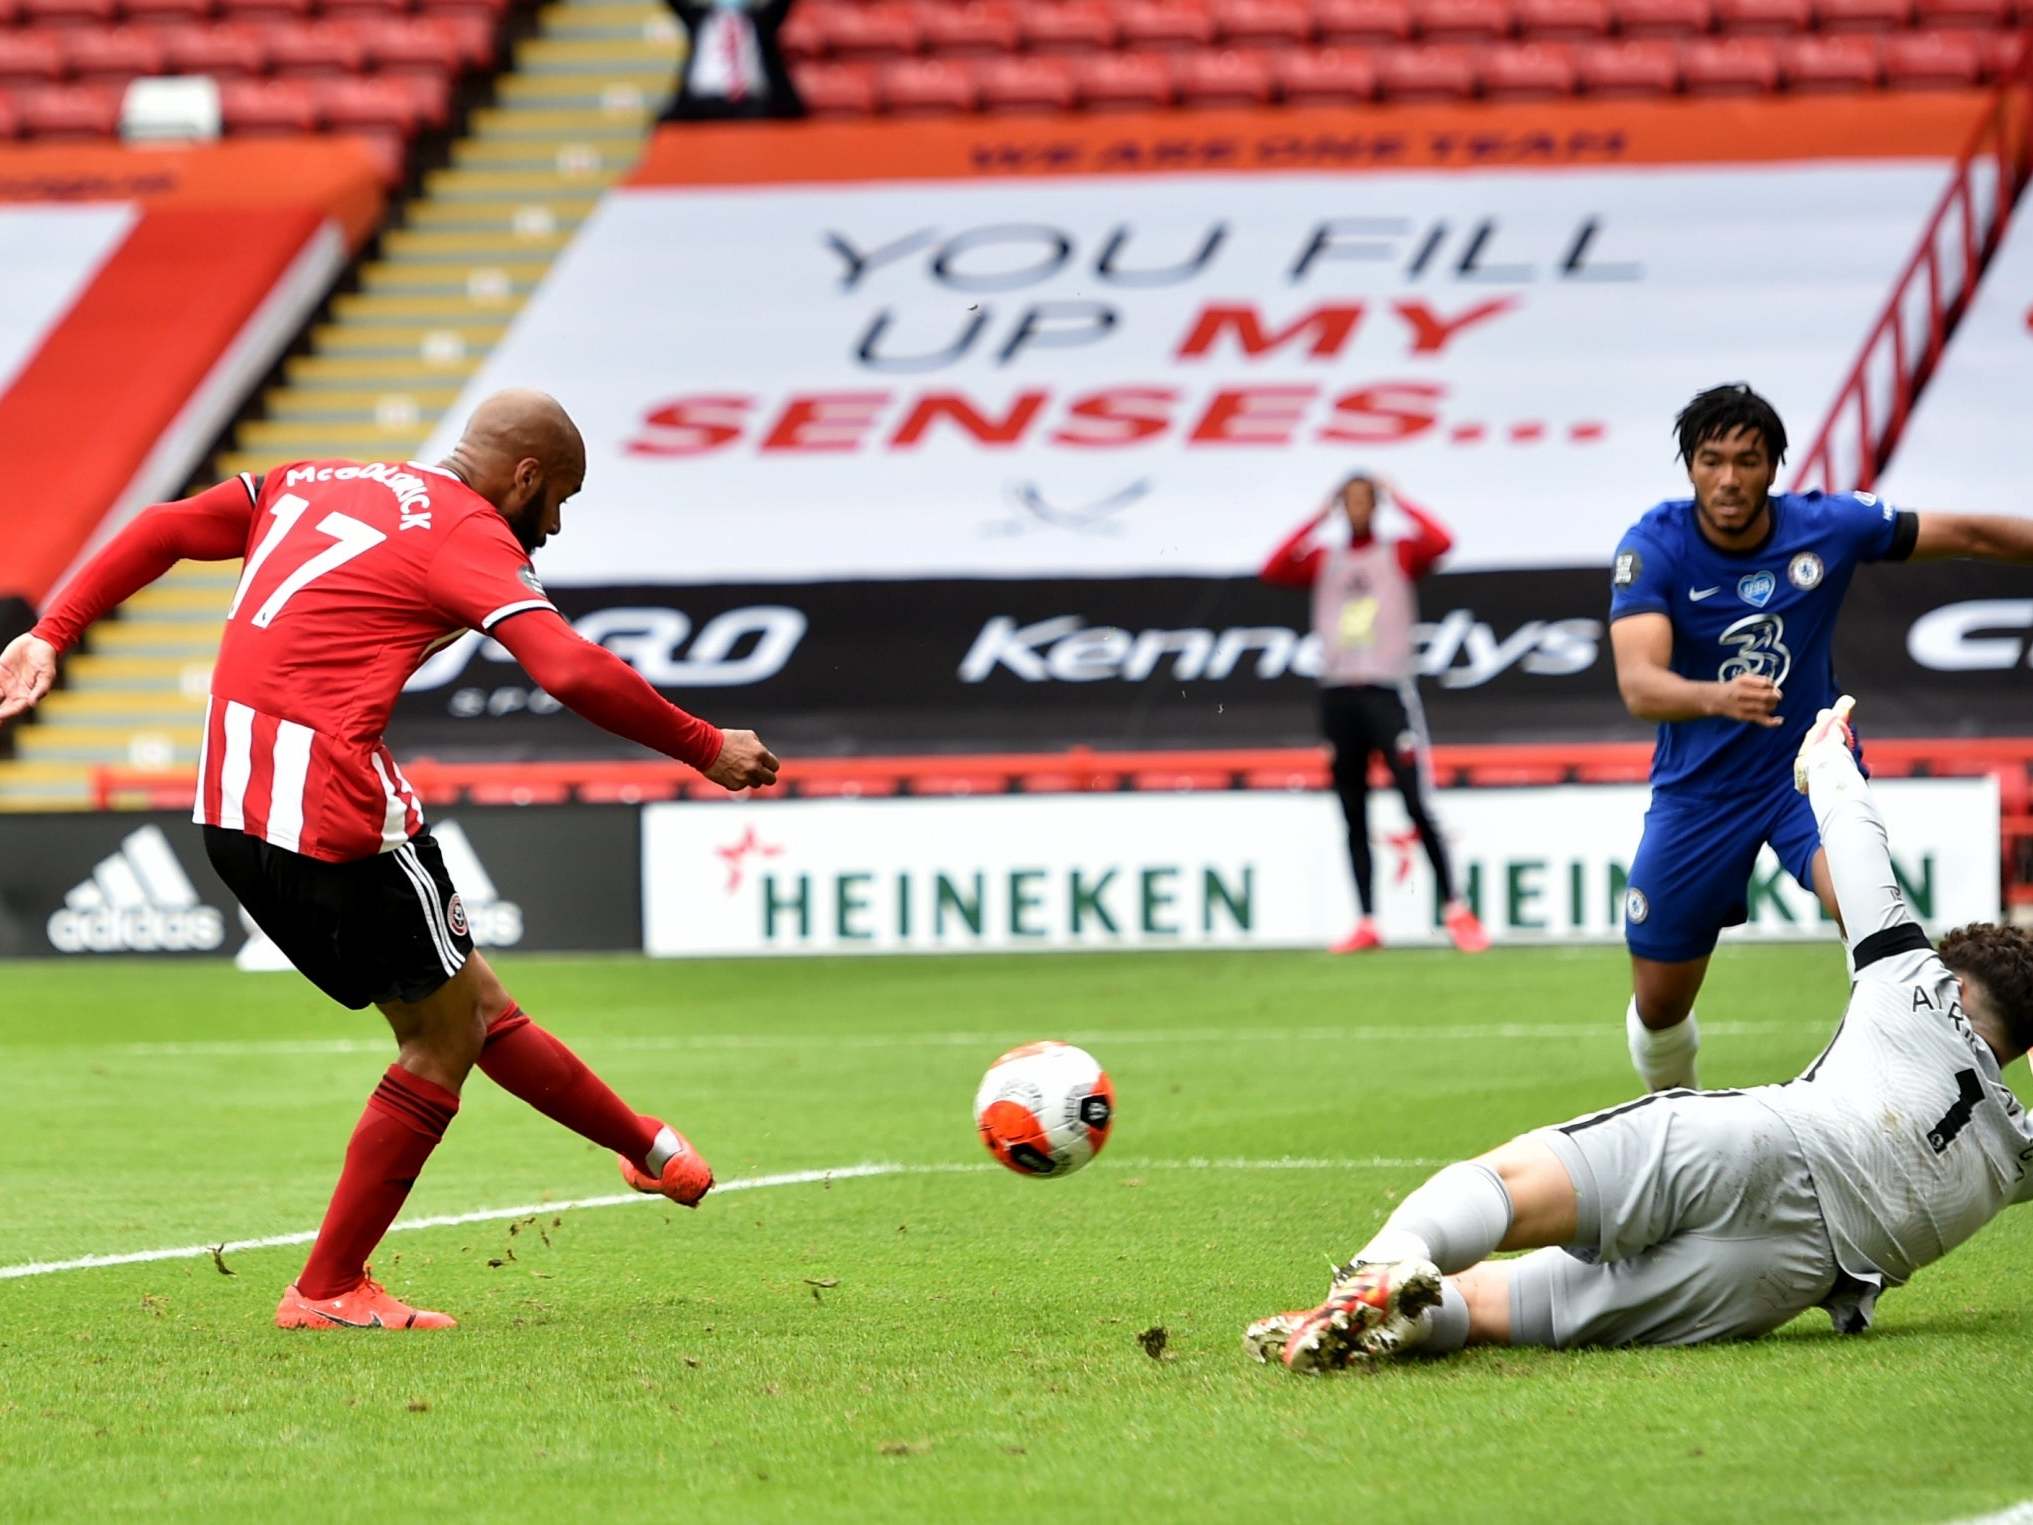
<point x="1377" y="1308"/>
<point x="1265" y="1339"/>
<point x="1831" y="728"/>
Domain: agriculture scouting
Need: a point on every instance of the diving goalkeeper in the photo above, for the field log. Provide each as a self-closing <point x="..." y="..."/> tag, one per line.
<point x="1702" y="1215"/>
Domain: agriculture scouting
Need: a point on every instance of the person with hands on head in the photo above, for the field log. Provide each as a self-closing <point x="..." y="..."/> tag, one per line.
<point x="1362" y="555"/>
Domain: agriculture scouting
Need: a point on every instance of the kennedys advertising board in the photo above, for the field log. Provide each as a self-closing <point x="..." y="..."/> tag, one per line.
<point x="1142" y="346"/>
<point x="1228" y="870"/>
<point x="993" y="664"/>
<point x="117" y="883"/>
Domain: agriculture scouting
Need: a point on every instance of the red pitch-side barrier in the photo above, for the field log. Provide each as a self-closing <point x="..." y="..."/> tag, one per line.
<point x="1083" y="770"/>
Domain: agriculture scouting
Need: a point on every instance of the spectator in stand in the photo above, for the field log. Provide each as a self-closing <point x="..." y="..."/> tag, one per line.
<point x="1364" y="607"/>
<point x="733" y="66"/>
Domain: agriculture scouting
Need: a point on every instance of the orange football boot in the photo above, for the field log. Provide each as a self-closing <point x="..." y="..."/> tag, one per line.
<point x="1364" y="938"/>
<point x="1465" y="928"/>
<point x="686" y="1178"/>
<point x="367" y="1306"/>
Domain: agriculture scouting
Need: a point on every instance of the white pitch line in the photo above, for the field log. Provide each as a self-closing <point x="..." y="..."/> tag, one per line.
<point x="1488" y="1032"/>
<point x="636" y="1199"/>
<point x="2020" y="1513"/>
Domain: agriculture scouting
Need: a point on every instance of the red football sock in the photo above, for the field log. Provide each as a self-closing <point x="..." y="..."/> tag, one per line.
<point x="529" y="1063"/>
<point x="405" y="1118"/>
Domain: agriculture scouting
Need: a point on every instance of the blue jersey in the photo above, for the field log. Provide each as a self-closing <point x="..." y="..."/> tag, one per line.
<point x="1769" y="611"/>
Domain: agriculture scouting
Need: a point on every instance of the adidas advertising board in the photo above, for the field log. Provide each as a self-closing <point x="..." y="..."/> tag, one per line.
<point x="1245" y="869"/>
<point x="952" y="664"/>
<point x="537" y="878"/>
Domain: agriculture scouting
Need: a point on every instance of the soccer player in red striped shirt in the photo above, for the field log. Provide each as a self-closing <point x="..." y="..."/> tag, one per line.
<point x="353" y="574"/>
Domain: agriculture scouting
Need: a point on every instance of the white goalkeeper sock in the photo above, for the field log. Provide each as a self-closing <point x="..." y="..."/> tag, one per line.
<point x="1456" y="1220"/>
<point x="1663" y="1057"/>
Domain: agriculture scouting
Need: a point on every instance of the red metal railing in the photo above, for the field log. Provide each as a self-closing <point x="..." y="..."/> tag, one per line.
<point x="1904" y="345"/>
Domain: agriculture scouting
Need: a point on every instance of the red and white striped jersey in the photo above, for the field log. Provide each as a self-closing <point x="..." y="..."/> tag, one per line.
<point x="354" y="573"/>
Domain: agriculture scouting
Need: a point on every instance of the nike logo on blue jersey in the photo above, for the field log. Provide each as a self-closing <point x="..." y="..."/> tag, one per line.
<point x="1698" y="594"/>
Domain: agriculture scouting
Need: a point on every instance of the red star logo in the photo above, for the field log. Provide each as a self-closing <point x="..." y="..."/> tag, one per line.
<point x="736" y="853"/>
<point x="1401" y="844"/>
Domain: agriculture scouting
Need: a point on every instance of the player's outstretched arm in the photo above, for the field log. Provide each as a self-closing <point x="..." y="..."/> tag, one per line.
<point x="592" y="681"/>
<point x="1854" y="838"/>
<point x="209" y="527"/>
<point x="1643" y="647"/>
<point x="1983" y="537"/>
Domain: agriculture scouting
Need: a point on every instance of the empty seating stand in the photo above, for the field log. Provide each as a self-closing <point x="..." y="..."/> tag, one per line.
<point x="855" y="57"/>
<point x="385" y="68"/>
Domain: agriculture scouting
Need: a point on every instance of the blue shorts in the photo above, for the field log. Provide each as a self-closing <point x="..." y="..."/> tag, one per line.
<point x="1692" y="872"/>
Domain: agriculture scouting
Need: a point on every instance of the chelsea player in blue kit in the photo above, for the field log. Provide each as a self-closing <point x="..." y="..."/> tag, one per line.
<point x="1722" y="613"/>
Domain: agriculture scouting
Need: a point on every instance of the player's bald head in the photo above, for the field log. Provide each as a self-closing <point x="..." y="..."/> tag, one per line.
<point x="522" y="453"/>
<point x="523" y="424"/>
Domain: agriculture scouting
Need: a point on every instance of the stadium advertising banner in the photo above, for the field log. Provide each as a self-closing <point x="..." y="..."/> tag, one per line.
<point x="842" y="353"/>
<point x="147" y="290"/>
<point x="1224" y="870"/>
<point x="950" y="664"/>
<point x="536" y="878"/>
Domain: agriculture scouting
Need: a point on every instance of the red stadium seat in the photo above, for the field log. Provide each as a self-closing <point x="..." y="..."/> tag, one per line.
<point x="837" y="89"/>
<point x="429" y="94"/>
<point x="1373" y="21"/>
<point x="927" y="87"/>
<point x="267" y="10"/>
<point x="30" y="58"/>
<point x="113" y="55"/>
<point x="1753" y="18"/>
<point x="868" y="787"/>
<point x="1228" y="78"/>
<point x="10" y="12"/>
<point x="1112" y="80"/>
<point x="69" y="12"/>
<point x="1822" y="62"/>
<point x="228" y="50"/>
<point x="1165" y="24"/>
<point x="1863" y="15"/>
<point x="804" y="34"/>
<point x="372" y="104"/>
<point x="1646" y="66"/>
<point x="1529" y="71"/>
<point x="1026" y="84"/>
<point x="1441" y="72"/>
<point x="973" y="29"/>
<point x="366" y="9"/>
<point x="70" y="112"/>
<point x="1986" y="14"/>
<point x="2003" y="52"/>
<point x="158" y="12"/>
<point x="1729" y="65"/>
<point x="10" y="119"/>
<point x="1326" y="77"/>
<point x="1465" y="20"/>
<point x="1067" y="26"/>
<point x="432" y="45"/>
<point x="1563" y="20"/>
<point x="1263" y="23"/>
<point x="1663" y="18"/>
<point x="315" y="49"/>
<point x="267" y="108"/>
<point x="1930" y="59"/>
<point x="880" y="30"/>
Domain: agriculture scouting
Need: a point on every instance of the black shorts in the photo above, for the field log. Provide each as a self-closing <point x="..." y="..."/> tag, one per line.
<point x="386" y="928"/>
<point x="1359" y="719"/>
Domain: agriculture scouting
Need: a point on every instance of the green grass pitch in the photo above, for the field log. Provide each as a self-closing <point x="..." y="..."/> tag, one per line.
<point x="955" y="1344"/>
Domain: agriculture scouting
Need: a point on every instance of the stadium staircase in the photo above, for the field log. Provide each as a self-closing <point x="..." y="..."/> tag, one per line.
<point x="380" y="369"/>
